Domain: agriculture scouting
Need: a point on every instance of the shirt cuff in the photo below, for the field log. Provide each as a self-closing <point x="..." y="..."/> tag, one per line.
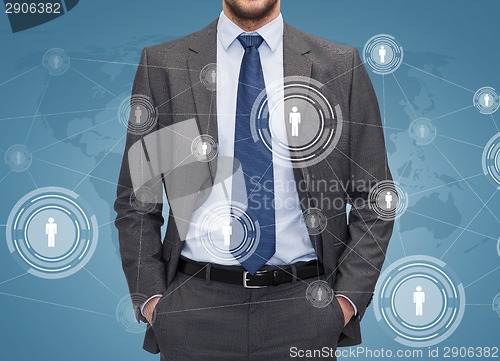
<point x="352" y="303"/>
<point x="144" y="304"/>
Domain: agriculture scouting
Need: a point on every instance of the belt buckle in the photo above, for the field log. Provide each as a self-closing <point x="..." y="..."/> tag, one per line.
<point x="245" y="279"/>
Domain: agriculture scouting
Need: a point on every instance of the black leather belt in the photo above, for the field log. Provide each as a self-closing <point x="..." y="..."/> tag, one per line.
<point x="267" y="277"/>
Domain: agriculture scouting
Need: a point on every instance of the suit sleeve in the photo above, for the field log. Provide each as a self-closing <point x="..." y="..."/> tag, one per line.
<point x="139" y="232"/>
<point x="361" y="261"/>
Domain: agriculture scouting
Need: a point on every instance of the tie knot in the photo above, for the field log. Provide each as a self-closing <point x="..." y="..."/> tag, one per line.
<point x="248" y="41"/>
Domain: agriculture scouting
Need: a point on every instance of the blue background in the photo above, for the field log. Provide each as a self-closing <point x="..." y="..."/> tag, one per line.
<point x="74" y="318"/>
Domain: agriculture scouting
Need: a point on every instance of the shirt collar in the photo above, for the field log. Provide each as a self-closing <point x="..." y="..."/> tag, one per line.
<point x="272" y="33"/>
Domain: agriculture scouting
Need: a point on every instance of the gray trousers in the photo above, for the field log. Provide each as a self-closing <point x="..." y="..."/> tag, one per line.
<point x="198" y="319"/>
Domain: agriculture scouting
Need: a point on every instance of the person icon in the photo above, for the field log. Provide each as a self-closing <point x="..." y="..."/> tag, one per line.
<point x="204" y="148"/>
<point x="382" y="52"/>
<point x="138" y="114"/>
<point x="486" y="99"/>
<point x="423" y="131"/>
<point x="320" y="294"/>
<point x="227" y="232"/>
<point x="388" y="200"/>
<point x="419" y="300"/>
<point x="51" y="231"/>
<point x="295" y="120"/>
<point x="19" y="158"/>
<point x="213" y="76"/>
<point x="56" y="62"/>
<point x="313" y="221"/>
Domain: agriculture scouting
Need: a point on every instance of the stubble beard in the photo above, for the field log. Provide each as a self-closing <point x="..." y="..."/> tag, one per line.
<point x="238" y="9"/>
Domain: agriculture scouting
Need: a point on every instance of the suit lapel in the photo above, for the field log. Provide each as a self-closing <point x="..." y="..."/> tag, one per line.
<point x="297" y="62"/>
<point x="295" y="50"/>
<point x="202" y="52"/>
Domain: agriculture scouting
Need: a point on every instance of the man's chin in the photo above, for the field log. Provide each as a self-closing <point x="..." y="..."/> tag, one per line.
<point x="251" y="10"/>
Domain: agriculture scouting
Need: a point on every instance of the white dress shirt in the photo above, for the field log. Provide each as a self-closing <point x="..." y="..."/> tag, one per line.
<point x="292" y="239"/>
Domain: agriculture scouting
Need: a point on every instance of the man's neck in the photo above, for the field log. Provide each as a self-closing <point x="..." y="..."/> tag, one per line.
<point x="251" y="25"/>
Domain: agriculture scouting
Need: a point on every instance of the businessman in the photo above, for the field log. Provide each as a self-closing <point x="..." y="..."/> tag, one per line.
<point x="254" y="263"/>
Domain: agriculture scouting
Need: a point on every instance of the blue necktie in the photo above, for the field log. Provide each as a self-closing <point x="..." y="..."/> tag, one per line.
<point x="255" y="164"/>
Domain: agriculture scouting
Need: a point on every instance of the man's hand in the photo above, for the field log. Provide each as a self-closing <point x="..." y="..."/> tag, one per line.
<point x="149" y="309"/>
<point x="347" y="309"/>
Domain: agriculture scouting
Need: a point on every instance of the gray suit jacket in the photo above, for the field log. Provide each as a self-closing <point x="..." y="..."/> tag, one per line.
<point x="352" y="253"/>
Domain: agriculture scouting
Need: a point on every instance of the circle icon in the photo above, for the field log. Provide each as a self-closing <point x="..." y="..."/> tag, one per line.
<point x="419" y="301"/>
<point x="204" y="148"/>
<point x="496" y="304"/>
<point x="383" y="54"/>
<point x="319" y="293"/>
<point x="312" y="126"/>
<point x="228" y="233"/>
<point x="491" y="160"/>
<point x="56" y="61"/>
<point x="143" y="200"/>
<point x="486" y="100"/>
<point x="422" y="131"/>
<point x="52" y="233"/>
<point x="314" y="221"/>
<point x="18" y="158"/>
<point x="388" y="200"/>
<point x="138" y="114"/>
<point x="126" y="313"/>
<point x="210" y="77"/>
